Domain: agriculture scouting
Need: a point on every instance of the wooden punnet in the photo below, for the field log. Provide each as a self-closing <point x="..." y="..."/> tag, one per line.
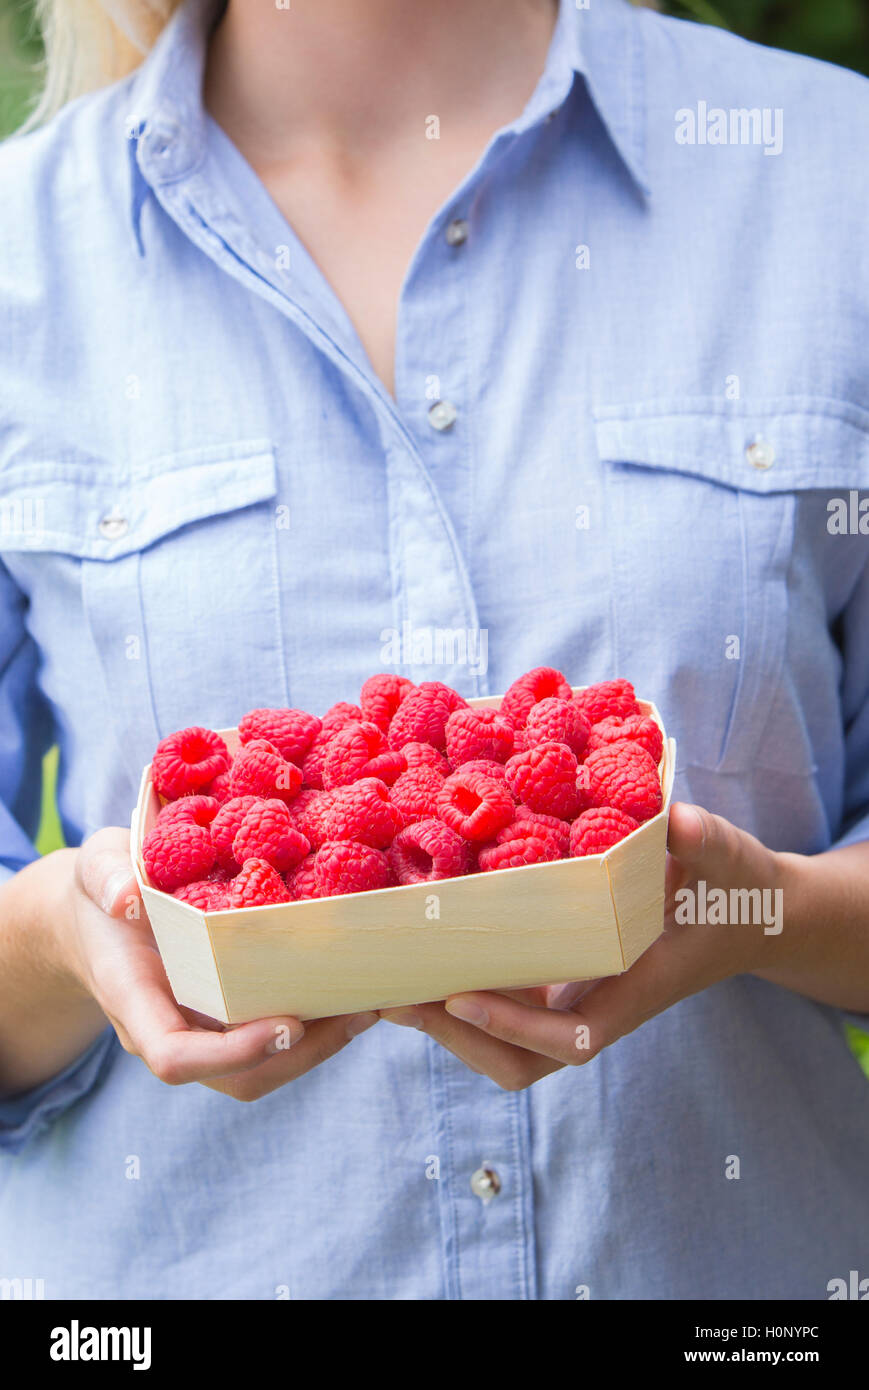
<point x="575" y="919"/>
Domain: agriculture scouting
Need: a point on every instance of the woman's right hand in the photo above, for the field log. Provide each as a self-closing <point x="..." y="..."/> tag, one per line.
<point x="97" y="949"/>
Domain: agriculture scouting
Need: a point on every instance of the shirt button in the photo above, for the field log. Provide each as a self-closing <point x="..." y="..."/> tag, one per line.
<point x="457" y="232"/>
<point x="442" y="414"/>
<point x="113" y="527"/>
<point x="485" y="1184"/>
<point x="760" y="454"/>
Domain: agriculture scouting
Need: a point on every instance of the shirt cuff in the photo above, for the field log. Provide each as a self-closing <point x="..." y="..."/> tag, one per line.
<point x="23" y="1117"/>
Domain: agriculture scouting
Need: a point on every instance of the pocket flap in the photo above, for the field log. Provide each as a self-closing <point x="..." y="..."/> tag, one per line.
<point x="85" y="511"/>
<point x="778" y="445"/>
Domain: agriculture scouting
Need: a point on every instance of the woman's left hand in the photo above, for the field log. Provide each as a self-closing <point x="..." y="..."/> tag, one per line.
<point x="518" y="1037"/>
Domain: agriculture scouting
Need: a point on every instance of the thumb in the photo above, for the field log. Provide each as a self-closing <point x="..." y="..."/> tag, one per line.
<point x="708" y="846"/>
<point x="105" y="873"/>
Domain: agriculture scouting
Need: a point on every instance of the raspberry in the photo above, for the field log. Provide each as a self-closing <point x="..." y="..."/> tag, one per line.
<point x="267" y="832"/>
<point x="308" y="812"/>
<point x="423" y="755"/>
<point x="189" y="810"/>
<point x="292" y="731"/>
<point x="639" y="728"/>
<point x="381" y="696"/>
<point x="622" y="775"/>
<point x="258" y="769"/>
<point x="557" y="830"/>
<point x="556" y="721"/>
<point x="225" y="826"/>
<point x="343" y="866"/>
<point x="340" y="715"/>
<point x="186" y="761"/>
<point x="176" y="854"/>
<point x="205" y="894"/>
<point x="607" y="698"/>
<point x="422" y="715"/>
<point x="486" y="765"/>
<point x="415" y="794"/>
<point x="258" y="885"/>
<point x="543" y="683"/>
<point x="596" y="829"/>
<point x="516" y="845"/>
<point x="301" y="881"/>
<point x="544" y="778"/>
<point x="219" y="787"/>
<point x="474" y="805"/>
<point x="427" y="851"/>
<point x="363" y="812"/>
<point x="360" y="750"/>
<point x="478" y="733"/>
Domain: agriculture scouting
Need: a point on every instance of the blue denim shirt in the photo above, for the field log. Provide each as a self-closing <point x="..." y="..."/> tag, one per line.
<point x="652" y="341"/>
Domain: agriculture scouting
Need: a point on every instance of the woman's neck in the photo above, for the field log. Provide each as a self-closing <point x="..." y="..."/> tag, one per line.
<point x="352" y="77"/>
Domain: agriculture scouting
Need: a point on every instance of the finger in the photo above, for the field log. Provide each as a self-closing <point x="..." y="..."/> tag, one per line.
<point x="104" y="871"/>
<point x="323" y="1038"/>
<point x="549" y="1033"/>
<point x="512" y="1068"/>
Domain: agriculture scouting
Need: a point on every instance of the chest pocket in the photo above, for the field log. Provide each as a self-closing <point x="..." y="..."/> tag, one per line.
<point x="705" y="503"/>
<point x="179" y="585"/>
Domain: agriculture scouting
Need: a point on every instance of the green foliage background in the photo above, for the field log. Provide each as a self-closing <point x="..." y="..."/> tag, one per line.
<point x="835" y="30"/>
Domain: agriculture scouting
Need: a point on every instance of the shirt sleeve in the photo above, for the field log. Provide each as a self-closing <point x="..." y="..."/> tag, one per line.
<point x="25" y="736"/>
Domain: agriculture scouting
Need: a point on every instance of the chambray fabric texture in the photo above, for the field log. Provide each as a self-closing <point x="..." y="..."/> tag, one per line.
<point x="210" y="503"/>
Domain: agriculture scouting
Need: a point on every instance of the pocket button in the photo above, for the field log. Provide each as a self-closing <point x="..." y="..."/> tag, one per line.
<point x="760" y="454"/>
<point x="112" y="528"/>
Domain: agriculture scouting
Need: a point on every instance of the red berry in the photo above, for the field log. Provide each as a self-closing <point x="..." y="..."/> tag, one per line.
<point x="381" y="696"/>
<point x="542" y="683"/>
<point x="544" y="778"/>
<point x="360" y="750"/>
<point x="423" y="755"/>
<point x="416" y="792"/>
<point x="190" y="810"/>
<point x="478" y="733"/>
<point x="176" y="854"/>
<point x="606" y="698"/>
<point x="637" y="727"/>
<point x="422" y="715"/>
<point x="427" y="851"/>
<point x="516" y="845"/>
<point x="340" y="715"/>
<point x="225" y="826"/>
<point x="491" y="769"/>
<point x="205" y="894"/>
<point x="596" y="829"/>
<point x="308" y="812"/>
<point x="302" y="881"/>
<point x="363" y="812"/>
<point x="344" y="866"/>
<point x="219" y="787"/>
<point x="292" y="731"/>
<point x="475" y="805"/>
<point x="267" y="832"/>
<point x="258" y="885"/>
<point x="188" y="760"/>
<point x="258" y="769"/>
<point x="622" y="775"/>
<point x="556" y="721"/>
<point x="545" y="826"/>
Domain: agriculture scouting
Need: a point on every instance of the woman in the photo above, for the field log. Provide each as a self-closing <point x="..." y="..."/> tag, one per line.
<point x="332" y="319"/>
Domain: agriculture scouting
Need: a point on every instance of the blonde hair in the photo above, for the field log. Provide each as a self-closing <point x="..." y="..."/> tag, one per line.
<point x="90" y="43"/>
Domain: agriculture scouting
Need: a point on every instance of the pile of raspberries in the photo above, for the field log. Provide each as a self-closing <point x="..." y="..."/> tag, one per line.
<point x="409" y="786"/>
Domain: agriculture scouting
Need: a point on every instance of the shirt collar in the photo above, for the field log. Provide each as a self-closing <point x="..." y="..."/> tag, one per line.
<point x="601" y="44"/>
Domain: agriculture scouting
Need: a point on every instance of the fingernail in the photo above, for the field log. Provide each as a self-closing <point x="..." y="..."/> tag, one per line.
<point x="405" y="1018"/>
<point x="114" y="884"/>
<point x="359" y="1022"/>
<point x="286" y="1035"/>
<point x="467" y="1010"/>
